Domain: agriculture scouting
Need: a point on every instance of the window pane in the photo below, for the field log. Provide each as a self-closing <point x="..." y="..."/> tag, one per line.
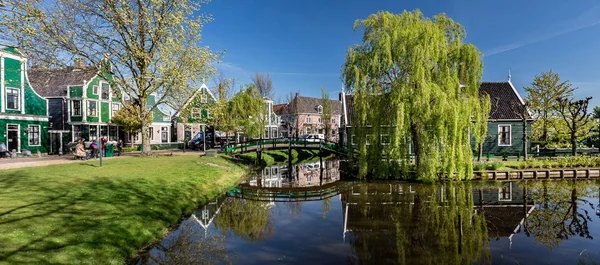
<point x="105" y="90"/>
<point x="93" y="132"/>
<point x="92" y="108"/>
<point x="12" y="98"/>
<point x="77" y="107"/>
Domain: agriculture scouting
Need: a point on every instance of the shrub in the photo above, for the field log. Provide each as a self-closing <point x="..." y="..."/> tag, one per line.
<point x="494" y="166"/>
<point x="479" y="167"/>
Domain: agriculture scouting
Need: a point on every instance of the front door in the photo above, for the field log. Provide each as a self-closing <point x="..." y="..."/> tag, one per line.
<point x="12" y="137"/>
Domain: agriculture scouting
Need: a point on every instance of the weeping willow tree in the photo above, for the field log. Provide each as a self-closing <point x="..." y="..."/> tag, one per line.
<point x="406" y="78"/>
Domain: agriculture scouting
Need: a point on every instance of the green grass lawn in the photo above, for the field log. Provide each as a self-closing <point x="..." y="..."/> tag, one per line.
<point x="83" y="214"/>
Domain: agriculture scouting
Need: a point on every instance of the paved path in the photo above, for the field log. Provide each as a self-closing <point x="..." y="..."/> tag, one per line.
<point x="23" y="162"/>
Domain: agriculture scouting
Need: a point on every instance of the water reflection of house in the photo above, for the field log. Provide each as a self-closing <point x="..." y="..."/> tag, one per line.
<point x="373" y="211"/>
<point x="504" y="208"/>
<point x="204" y="216"/>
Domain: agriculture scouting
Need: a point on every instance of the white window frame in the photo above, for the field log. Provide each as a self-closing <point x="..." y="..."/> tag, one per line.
<point x="308" y="120"/>
<point x="73" y="107"/>
<point x="509" y="193"/>
<point x="320" y="109"/>
<point x="112" y="108"/>
<point x="18" y="98"/>
<point x="39" y="134"/>
<point x="95" y="90"/>
<point x="333" y="121"/>
<point x="164" y="129"/>
<point x="509" y="134"/>
<point x="196" y="113"/>
<point x="203" y="98"/>
<point x="320" y="120"/>
<point x="381" y="139"/>
<point x="101" y="83"/>
<point x="77" y="133"/>
<point x="151" y="131"/>
<point x="88" y="108"/>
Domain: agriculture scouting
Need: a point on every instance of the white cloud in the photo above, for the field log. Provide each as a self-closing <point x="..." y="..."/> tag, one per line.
<point x="587" y="19"/>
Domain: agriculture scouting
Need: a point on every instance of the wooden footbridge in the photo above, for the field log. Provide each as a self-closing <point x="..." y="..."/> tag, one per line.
<point x="257" y="145"/>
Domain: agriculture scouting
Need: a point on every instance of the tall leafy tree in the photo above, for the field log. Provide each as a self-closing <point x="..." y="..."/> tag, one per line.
<point x="147" y="42"/>
<point x="543" y="95"/>
<point x="481" y="125"/>
<point x="128" y="119"/>
<point x="247" y="108"/>
<point x="576" y="117"/>
<point x="327" y="110"/>
<point x="407" y="75"/>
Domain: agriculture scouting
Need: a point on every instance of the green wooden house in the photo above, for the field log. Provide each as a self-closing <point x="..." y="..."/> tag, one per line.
<point x="23" y="112"/>
<point x="82" y="100"/>
<point x="195" y="115"/>
<point x="160" y="129"/>
<point x="505" y="128"/>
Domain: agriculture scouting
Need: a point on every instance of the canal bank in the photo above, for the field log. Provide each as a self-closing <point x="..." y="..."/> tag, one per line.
<point x="82" y="213"/>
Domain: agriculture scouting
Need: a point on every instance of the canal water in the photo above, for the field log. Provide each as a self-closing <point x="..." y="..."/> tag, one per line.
<point x="307" y="215"/>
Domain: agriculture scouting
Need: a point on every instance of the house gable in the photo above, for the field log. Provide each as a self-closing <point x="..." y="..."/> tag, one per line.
<point x="198" y="107"/>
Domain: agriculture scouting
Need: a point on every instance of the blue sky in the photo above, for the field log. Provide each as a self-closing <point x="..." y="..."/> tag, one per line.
<point x="303" y="43"/>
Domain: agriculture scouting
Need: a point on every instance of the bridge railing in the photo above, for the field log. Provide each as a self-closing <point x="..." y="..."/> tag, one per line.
<point x="253" y="144"/>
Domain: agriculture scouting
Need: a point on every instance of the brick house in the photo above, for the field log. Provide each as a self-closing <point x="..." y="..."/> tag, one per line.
<point x="304" y="115"/>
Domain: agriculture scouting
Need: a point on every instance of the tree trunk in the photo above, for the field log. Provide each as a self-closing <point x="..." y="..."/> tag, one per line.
<point x="573" y="144"/>
<point x="416" y="146"/>
<point x="480" y="153"/>
<point x="131" y="139"/>
<point x="146" y="148"/>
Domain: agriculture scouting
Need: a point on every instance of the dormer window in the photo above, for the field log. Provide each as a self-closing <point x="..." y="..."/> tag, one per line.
<point x="203" y="98"/>
<point x="320" y="109"/>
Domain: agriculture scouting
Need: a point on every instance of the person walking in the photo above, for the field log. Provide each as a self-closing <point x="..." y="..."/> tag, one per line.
<point x="119" y="147"/>
<point x="103" y="140"/>
<point x="94" y="149"/>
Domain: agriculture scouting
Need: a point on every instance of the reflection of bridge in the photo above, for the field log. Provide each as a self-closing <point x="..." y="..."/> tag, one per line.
<point x="290" y="194"/>
<point x="284" y="144"/>
<point x="304" y="182"/>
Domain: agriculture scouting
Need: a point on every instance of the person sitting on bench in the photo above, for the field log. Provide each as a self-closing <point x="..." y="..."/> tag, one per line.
<point x="4" y="150"/>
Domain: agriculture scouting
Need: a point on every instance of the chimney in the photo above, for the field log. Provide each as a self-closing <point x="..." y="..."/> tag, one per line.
<point x="297" y="94"/>
<point x="340" y="96"/>
<point x="78" y="63"/>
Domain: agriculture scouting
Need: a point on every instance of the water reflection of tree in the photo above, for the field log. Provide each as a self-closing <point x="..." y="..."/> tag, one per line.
<point x="559" y="214"/>
<point x="326" y="207"/>
<point x="421" y="229"/>
<point x="250" y="220"/>
<point x="188" y="245"/>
